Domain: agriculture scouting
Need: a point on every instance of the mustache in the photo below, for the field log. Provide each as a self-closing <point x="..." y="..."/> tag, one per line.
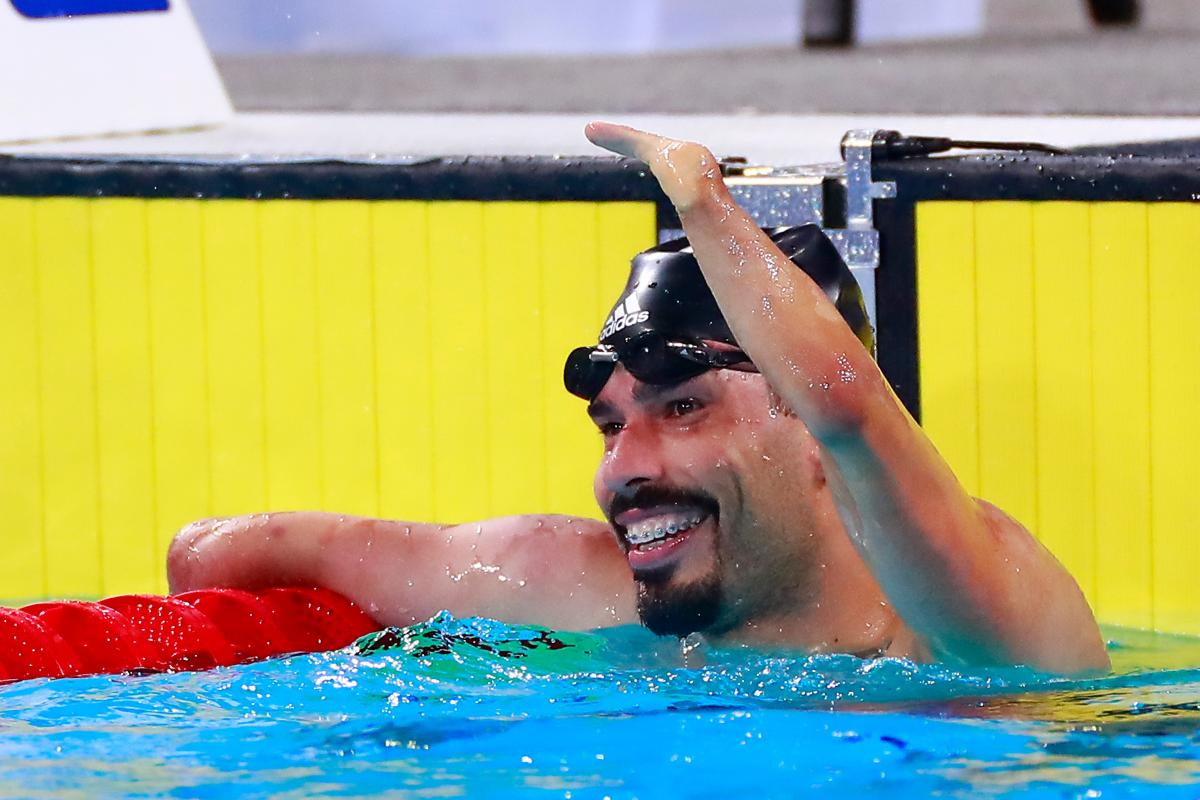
<point x="649" y="495"/>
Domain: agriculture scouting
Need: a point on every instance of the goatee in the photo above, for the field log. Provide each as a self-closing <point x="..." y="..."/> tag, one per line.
<point x="668" y="610"/>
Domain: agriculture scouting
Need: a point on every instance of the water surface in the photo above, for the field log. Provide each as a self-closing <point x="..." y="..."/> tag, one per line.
<point x="479" y="708"/>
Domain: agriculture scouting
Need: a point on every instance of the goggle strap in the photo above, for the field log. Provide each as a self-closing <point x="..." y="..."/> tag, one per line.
<point x="727" y="359"/>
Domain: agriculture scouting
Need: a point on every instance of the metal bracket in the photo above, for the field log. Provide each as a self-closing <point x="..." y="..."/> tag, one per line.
<point x="775" y="200"/>
<point x="779" y="196"/>
<point x="859" y="241"/>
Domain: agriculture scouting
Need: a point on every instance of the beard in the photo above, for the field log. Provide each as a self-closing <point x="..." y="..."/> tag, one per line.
<point x="668" y="607"/>
<point x="669" y="610"/>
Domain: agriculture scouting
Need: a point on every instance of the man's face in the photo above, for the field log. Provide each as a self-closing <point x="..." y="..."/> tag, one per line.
<point x="705" y="484"/>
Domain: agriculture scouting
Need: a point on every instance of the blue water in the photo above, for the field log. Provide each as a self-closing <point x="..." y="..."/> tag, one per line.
<point x="475" y="707"/>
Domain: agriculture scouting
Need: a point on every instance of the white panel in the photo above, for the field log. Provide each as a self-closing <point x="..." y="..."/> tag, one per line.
<point x="100" y="73"/>
<point x="896" y="20"/>
<point x="484" y="27"/>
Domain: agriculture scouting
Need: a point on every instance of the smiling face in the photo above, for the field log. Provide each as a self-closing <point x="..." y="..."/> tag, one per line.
<point x="709" y="488"/>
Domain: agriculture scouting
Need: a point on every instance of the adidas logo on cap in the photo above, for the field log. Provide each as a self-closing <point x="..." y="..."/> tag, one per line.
<point x="628" y="312"/>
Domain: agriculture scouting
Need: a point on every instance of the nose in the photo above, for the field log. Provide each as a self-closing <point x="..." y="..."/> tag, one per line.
<point x="634" y="458"/>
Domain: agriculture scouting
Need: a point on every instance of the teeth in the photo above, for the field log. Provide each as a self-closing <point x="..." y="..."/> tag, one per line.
<point x="655" y="529"/>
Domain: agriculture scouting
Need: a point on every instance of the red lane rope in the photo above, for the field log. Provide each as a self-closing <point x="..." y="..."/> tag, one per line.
<point x="31" y="649"/>
<point x="246" y="622"/>
<point x="102" y="639"/>
<point x="193" y="631"/>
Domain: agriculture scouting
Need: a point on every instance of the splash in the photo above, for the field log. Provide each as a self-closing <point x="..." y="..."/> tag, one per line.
<point x="468" y="706"/>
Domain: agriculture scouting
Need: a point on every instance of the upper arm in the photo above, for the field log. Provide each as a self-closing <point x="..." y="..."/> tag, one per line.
<point x="556" y="571"/>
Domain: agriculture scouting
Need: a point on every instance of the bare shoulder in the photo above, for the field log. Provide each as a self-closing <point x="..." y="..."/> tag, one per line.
<point x="999" y="522"/>
<point x="1043" y="611"/>
<point x="1019" y="559"/>
<point x="1020" y="546"/>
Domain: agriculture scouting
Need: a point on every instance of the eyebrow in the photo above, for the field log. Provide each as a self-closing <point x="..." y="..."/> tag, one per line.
<point x="599" y="408"/>
<point x="649" y="392"/>
<point x="642" y="393"/>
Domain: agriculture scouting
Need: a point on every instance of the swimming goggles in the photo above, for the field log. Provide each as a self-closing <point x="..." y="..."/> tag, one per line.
<point x="649" y="357"/>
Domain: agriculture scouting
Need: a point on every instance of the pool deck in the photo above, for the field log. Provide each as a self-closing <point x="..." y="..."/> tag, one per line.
<point x="767" y="139"/>
<point x="1039" y="71"/>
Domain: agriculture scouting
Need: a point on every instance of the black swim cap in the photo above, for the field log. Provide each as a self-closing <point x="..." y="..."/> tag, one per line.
<point x="666" y="298"/>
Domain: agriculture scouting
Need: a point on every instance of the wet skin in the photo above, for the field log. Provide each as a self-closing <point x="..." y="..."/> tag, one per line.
<point x="973" y="581"/>
<point x="769" y="550"/>
<point x="770" y="539"/>
<point x="826" y="519"/>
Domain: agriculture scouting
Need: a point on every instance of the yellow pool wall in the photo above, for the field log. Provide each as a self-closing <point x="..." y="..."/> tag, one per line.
<point x="173" y="359"/>
<point x="1060" y="371"/>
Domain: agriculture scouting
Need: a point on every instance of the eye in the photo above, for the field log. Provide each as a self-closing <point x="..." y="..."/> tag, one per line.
<point x="683" y="407"/>
<point x="609" y="429"/>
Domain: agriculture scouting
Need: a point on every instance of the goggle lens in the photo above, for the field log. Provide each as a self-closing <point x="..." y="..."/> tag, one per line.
<point x="650" y="358"/>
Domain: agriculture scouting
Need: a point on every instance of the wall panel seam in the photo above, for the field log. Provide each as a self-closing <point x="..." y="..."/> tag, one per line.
<point x="202" y="235"/>
<point x="41" y="393"/>
<point x="95" y="376"/>
<point x="155" y="511"/>
<point x="1147" y="262"/>
<point x="376" y="428"/>
<point x="979" y="423"/>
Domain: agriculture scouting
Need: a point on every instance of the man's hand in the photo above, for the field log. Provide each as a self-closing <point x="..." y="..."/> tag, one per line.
<point x="687" y="172"/>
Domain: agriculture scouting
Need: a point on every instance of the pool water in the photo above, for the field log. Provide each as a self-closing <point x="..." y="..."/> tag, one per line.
<point x="475" y="707"/>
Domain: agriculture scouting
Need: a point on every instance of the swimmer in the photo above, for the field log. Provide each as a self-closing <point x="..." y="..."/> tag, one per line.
<point x="761" y="482"/>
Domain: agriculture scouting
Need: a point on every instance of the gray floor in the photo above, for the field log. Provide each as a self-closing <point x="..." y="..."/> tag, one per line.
<point x="1037" y="57"/>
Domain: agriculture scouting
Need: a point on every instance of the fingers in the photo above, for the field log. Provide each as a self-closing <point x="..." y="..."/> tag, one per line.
<point x="623" y="140"/>
<point x="685" y="170"/>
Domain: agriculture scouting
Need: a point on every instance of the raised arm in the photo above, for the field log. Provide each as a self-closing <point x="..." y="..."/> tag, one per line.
<point x="964" y="575"/>
<point x="548" y="570"/>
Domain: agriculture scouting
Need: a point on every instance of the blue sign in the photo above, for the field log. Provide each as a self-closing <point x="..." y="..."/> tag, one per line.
<point x="44" y="9"/>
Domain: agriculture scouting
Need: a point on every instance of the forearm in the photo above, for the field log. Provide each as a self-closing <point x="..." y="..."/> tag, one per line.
<point x="782" y="319"/>
<point x="252" y="551"/>
<point x="779" y="316"/>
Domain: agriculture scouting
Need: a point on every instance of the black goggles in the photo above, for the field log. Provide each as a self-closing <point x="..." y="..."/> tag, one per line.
<point x="649" y="357"/>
